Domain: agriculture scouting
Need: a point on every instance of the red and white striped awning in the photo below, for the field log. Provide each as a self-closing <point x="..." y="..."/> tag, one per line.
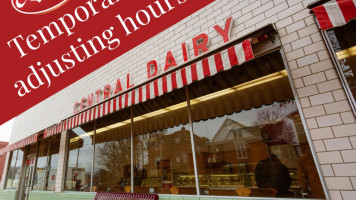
<point x="335" y="13"/>
<point x="18" y="145"/>
<point x="233" y="56"/>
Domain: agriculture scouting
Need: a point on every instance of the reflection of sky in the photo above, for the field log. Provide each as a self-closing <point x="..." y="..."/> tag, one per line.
<point x="85" y="153"/>
<point x="210" y="127"/>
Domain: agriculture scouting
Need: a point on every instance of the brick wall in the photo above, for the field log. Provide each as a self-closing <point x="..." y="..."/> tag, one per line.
<point x="324" y="104"/>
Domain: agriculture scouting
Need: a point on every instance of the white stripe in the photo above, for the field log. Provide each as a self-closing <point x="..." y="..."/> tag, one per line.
<point x="169" y="83"/>
<point x="200" y="71"/>
<point x="102" y="110"/>
<point x="188" y="71"/>
<point x="129" y="99"/>
<point x="152" y="90"/>
<point x="143" y="93"/>
<point x="354" y="2"/>
<point x="160" y="87"/>
<point x="117" y="103"/>
<point x="335" y="14"/>
<point x="212" y="65"/>
<point x="240" y="53"/>
<point x="137" y="96"/>
<point x="179" y="79"/>
<point x="112" y="106"/>
<point x="225" y="59"/>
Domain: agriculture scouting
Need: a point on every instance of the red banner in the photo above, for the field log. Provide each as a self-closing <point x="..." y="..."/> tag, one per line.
<point x="47" y="45"/>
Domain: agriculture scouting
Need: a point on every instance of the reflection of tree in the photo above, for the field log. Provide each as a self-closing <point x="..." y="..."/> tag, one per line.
<point x="275" y="112"/>
<point x="111" y="158"/>
<point x="276" y="121"/>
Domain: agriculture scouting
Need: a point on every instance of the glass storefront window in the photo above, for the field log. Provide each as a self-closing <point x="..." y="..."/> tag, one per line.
<point x="46" y="171"/>
<point x="248" y="139"/>
<point x="344" y="44"/>
<point x="14" y="169"/>
<point x="163" y="160"/>
<point x="255" y="144"/>
<point x="112" y="161"/>
<point x="79" y="162"/>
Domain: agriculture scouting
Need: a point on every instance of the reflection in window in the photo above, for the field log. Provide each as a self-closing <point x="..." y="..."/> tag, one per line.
<point x="79" y="165"/>
<point x="254" y="141"/>
<point x="14" y="169"/>
<point x="112" y="170"/>
<point x="343" y="42"/>
<point x="163" y="156"/>
<point x="46" y="171"/>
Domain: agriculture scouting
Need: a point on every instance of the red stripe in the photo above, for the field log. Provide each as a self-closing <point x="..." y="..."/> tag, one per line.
<point x="104" y="109"/>
<point x="148" y="92"/>
<point x="82" y="118"/>
<point x="86" y="116"/>
<point x="232" y="56"/>
<point x="65" y="124"/>
<point x="60" y="127"/>
<point x="164" y="84"/>
<point x="114" y="104"/>
<point x="194" y="72"/>
<point x="94" y="113"/>
<point x="174" y="80"/>
<point x="348" y="9"/>
<point x="55" y="129"/>
<point x="133" y="94"/>
<point x="218" y="62"/>
<point x="183" y="72"/>
<point x="75" y="120"/>
<point x="140" y="94"/>
<point x="246" y="45"/>
<point x="109" y="107"/>
<point x="126" y="99"/>
<point x="323" y="18"/>
<point x="120" y="102"/>
<point x="90" y="114"/>
<point x="206" y="69"/>
<point x="155" y="86"/>
<point x="99" y="111"/>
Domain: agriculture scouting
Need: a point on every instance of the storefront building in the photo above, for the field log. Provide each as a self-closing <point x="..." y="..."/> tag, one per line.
<point x="242" y="99"/>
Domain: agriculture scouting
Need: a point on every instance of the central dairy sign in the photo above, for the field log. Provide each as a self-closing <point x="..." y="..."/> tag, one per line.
<point x="200" y="45"/>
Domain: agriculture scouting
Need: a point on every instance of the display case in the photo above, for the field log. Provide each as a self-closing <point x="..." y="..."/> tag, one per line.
<point x="215" y="180"/>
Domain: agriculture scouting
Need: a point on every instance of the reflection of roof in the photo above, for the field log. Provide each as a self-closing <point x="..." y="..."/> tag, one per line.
<point x="232" y="130"/>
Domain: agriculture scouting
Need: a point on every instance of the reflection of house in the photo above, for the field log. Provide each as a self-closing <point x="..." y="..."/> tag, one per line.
<point x="235" y="143"/>
<point x="172" y="153"/>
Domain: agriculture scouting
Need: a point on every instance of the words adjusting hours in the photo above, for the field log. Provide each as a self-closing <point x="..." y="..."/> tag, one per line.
<point x="43" y="74"/>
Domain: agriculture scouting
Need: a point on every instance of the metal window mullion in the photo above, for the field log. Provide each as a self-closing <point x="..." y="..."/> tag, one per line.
<point x="35" y="166"/>
<point x="47" y="164"/>
<point x="192" y="142"/>
<point x="66" y="159"/>
<point x="132" y="155"/>
<point x="93" y="159"/>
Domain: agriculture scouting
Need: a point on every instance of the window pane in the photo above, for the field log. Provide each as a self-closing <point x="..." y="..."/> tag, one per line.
<point x="163" y="161"/>
<point x="344" y="44"/>
<point x="17" y="170"/>
<point x="41" y="170"/>
<point x="112" y="162"/>
<point x="12" y="170"/>
<point x="79" y="162"/>
<point x="252" y="138"/>
<point x="45" y="174"/>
